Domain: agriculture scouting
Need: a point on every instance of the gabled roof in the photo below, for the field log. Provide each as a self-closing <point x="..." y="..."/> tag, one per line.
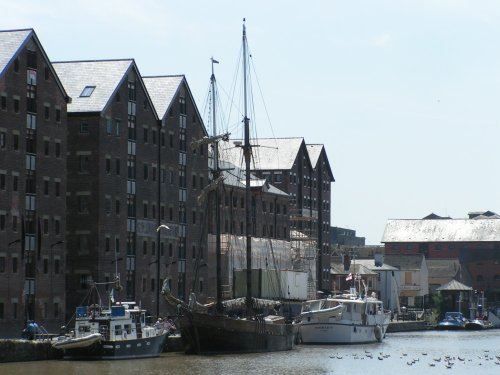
<point x="445" y="230"/>
<point x="236" y="177"/>
<point x="270" y="153"/>
<point x="443" y="268"/>
<point x="433" y="216"/>
<point x="12" y="43"/>
<point x="315" y="151"/>
<point x="163" y="90"/>
<point x="405" y="262"/>
<point x="105" y="75"/>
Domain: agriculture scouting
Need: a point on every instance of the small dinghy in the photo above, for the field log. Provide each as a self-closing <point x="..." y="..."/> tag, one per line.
<point x="64" y="342"/>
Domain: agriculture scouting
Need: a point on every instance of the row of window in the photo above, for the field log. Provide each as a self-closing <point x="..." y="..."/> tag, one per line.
<point x="31" y="146"/>
<point x="14" y="265"/>
<point x="30" y="185"/>
<point x="31" y="104"/>
<point x="44" y="224"/>
<point x="113" y="127"/>
<point x="15" y="313"/>
<point x="267" y="230"/>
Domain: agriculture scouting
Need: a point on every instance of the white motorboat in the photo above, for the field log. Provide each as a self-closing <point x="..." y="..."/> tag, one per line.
<point x="343" y="319"/>
<point x="63" y="342"/>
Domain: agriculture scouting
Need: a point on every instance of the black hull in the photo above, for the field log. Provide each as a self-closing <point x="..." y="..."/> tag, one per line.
<point x="126" y="349"/>
<point x="207" y="334"/>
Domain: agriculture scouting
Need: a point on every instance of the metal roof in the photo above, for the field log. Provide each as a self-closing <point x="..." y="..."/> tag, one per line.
<point x="454" y="285"/>
<point x="162" y="90"/>
<point x="271" y="153"/>
<point x="444" y="230"/>
<point x="11" y="41"/>
<point x="105" y="75"/>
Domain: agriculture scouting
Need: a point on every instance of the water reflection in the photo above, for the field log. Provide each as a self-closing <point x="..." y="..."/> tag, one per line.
<point x="412" y="353"/>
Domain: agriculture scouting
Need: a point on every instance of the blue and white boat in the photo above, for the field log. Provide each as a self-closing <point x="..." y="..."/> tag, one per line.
<point x="117" y="332"/>
<point x="452" y="321"/>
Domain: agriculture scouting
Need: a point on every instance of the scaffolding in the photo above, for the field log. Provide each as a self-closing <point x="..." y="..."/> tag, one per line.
<point x="305" y="245"/>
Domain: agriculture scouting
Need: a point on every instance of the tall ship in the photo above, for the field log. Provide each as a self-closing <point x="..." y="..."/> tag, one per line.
<point x="238" y="325"/>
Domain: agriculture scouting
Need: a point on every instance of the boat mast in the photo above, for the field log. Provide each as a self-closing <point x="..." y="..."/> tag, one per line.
<point x="216" y="175"/>
<point x="247" y="152"/>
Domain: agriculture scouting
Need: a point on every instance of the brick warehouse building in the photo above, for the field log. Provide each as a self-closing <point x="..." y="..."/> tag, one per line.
<point x="32" y="185"/>
<point x="127" y="175"/>
<point x="303" y="171"/>
<point x="185" y="174"/>
<point x="475" y="242"/>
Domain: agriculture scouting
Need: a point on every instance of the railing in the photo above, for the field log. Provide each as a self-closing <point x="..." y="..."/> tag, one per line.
<point x="410" y="287"/>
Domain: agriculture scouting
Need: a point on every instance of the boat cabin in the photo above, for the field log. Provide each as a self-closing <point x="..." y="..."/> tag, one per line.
<point x="120" y="322"/>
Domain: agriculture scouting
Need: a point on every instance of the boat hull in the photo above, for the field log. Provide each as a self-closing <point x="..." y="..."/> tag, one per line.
<point x="123" y="349"/>
<point x="203" y="333"/>
<point x="477" y="324"/>
<point x="341" y="333"/>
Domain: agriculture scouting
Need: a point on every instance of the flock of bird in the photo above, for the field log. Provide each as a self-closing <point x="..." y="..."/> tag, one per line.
<point x="448" y="361"/>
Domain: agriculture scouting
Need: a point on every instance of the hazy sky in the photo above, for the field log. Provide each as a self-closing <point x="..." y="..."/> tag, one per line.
<point x="403" y="94"/>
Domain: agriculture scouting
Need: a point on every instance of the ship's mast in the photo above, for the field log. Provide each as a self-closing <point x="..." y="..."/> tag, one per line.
<point x="216" y="175"/>
<point x="247" y="152"/>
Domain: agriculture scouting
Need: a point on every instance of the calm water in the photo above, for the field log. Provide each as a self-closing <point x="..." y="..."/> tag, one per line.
<point x="408" y="353"/>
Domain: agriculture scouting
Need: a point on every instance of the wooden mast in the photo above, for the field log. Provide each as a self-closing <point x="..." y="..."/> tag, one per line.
<point x="247" y="152"/>
<point x="216" y="175"/>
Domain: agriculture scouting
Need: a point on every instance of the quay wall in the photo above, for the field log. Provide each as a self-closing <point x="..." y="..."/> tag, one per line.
<point x="26" y="350"/>
<point x="407" y="326"/>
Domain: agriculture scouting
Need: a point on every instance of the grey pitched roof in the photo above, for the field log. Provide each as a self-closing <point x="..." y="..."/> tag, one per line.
<point x="443" y="268"/>
<point x="236" y="177"/>
<point x="445" y="230"/>
<point x="105" y="75"/>
<point x="454" y="285"/>
<point x="11" y="42"/>
<point x="314" y="152"/>
<point x="271" y="153"/>
<point x="404" y="262"/>
<point x="162" y="90"/>
<point x="370" y="264"/>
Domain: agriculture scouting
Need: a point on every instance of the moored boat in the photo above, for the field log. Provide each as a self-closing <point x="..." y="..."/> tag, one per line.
<point x="228" y="326"/>
<point x="452" y="321"/>
<point x="117" y="332"/>
<point x="343" y="319"/>
<point x="478" y="324"/>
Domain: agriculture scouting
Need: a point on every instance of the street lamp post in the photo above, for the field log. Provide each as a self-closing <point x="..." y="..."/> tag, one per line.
<point x="158" y="269"/>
